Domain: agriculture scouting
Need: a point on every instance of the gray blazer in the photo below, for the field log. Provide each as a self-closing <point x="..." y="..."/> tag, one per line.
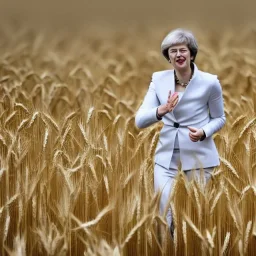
<point x="201" y="106"/>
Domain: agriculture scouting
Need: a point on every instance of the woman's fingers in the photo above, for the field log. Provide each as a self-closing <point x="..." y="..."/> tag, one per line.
<point x="172" y="96"/>
<point x="171" y="104"/>
<point x="175" y="101"/>
<point x="175" y="96"/>
<point x="194" y="139"/>
<point x="169" y="95"/>
<point x="192" y="129"/>
<point x="172" y="100"/>
<point x="193" y="136"/>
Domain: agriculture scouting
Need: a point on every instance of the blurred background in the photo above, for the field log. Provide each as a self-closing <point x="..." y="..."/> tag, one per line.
<point x="65" y="14"/>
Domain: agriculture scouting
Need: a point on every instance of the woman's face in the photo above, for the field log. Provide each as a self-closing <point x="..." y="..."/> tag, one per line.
<point x="180" y="56"/>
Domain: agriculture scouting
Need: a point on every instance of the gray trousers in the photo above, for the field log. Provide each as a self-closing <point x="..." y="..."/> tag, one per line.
<point x="163" y="180"/>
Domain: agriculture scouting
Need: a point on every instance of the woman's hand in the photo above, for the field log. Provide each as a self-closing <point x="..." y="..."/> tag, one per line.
<point x="169" y="106"/>
<point x="195" y="134"/>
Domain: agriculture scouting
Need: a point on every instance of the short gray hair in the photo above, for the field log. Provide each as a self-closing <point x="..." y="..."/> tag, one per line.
<point x="179" y="36"/>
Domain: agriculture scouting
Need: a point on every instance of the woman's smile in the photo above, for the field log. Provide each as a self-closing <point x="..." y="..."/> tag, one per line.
<point x="180" y="61"/>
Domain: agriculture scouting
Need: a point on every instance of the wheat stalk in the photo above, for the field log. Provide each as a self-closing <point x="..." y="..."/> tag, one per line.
<point x="234" y="216"/>
<point x="210" y="238"/>
<point x="240" y="247"/>
<point x="194" y="228"/>
<point x="246" y="127"/>
<point x="96" y="220"/>
<point x="83" y="133"/>
<point x="215" y="201"/>
<point x="22" y="124"/>
<point x="229" y="166"/>
<point x="225" y="244"/>
<point x="33" y="118"/>
<point x="199" y="209"/>
<point x="45" y="138"/>
<point x="184" y="233"/>
<point x="135" y="229"/>
<point x="51" y="120"/>
<point x="247" y="234"/>
<point x="10" y="117"/>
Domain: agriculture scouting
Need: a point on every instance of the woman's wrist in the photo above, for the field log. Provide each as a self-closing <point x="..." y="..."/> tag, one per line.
<point x="203" y="136"/>
<point x="161" y="111"/>
<point x="157" y="115"/>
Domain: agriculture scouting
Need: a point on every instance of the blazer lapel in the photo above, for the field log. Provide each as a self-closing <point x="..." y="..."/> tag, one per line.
<point x="169" y="82"/>
<point x="170" y="86"/>
<point x="190" y="87"/>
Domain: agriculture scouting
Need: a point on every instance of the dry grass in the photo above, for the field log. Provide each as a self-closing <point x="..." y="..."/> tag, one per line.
<point x="76" y="175"/>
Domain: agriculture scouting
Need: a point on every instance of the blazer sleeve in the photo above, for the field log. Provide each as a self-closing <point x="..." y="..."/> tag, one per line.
<point x="146" y="114"/>
<point x="216" y="110"/>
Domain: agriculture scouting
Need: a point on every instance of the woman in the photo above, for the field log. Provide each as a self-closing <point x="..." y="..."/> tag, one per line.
<point x="189" y="102"/>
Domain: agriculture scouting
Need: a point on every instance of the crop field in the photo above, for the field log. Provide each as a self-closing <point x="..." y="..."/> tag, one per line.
<point x="76" y="174"/>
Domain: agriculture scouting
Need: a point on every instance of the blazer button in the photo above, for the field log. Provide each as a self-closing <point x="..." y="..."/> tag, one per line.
<point x="176" y="125"/>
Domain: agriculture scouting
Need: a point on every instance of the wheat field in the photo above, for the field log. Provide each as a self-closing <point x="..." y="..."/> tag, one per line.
<point x="76" y="175"/>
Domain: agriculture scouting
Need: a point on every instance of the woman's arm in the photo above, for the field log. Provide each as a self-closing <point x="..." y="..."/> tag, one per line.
<point x="146" y="115"/>
<point x="216" y="110"/>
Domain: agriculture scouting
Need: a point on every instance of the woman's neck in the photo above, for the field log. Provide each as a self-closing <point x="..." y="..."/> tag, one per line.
<point x="184" y="75"/>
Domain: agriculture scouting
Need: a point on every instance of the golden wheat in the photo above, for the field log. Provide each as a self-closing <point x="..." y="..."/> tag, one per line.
<point x="76" y="175"/>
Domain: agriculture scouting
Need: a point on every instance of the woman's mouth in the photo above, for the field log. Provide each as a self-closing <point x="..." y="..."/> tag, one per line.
<point x="180" y="61"/>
